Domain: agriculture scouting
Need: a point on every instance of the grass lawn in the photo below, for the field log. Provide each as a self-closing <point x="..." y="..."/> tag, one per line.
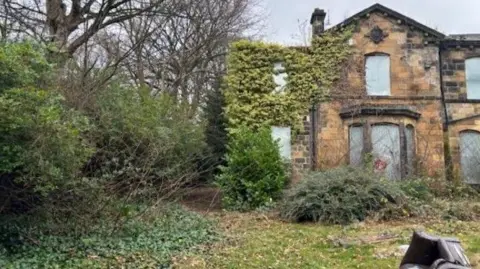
<point x="262" y="241"/>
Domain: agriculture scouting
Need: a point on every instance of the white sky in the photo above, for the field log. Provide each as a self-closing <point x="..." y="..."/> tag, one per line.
<point x="284" y="17"/>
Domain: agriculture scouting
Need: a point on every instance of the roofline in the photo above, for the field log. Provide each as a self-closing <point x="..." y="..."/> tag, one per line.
<point x="391" y="12"/>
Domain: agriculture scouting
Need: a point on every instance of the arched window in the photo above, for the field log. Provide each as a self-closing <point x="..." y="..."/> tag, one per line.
<point x="470" y="156"/>
<point x="391" y="146"/>
<point x="377" y="74"/>
<point x="472" y="74"/>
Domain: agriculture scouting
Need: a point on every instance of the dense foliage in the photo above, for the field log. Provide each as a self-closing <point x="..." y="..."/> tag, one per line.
<point x="148" y="143"/>
<point x="83" y="171"/>
<point x="146" y="242"/>
<point x="341" y="196"/>
<point x="40" y="140"/>
<point x="254" y="175"/>
<point x="22" y="65"/>
<point x="250" y="96"/>
<point x="215" y="131"/>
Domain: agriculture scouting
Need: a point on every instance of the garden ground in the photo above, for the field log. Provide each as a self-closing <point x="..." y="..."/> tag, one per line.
<point x="261" y="240"/>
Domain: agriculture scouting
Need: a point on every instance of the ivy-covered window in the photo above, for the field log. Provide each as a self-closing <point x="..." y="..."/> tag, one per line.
<point x="377" y="74"/>
<point x="470" y="156"/>
<point x="391" y="147"/>
<point x="283" y="136"/>
<point x="472" y="72"/>
<point x="279" y="77"/>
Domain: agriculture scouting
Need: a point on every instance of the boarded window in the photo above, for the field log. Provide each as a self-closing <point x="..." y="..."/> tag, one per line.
<point x="409" y="137"/>
<point x="283" y="136"/>
<point x="470" y="156"/>
<point x="386" y="150"/>
<point x="279" y="77"/>
<point x="393" y="154"/>
<point x="472" y="71"/>
<point x="377" y="74"/>
<point x="356" y="145"/>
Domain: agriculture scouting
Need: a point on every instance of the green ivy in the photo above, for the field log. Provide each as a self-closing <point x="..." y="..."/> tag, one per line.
<point x="312" y="71"/>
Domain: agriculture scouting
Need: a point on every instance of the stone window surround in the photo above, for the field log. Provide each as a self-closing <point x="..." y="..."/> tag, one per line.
<point x="402" y="122"/>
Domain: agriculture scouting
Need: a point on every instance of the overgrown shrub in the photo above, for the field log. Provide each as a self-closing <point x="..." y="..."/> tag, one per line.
<point x="342" y="196"/>
<point x="41" y="146"/>
<point x="417" y="189"/>
<point x="445" y="189"/>
<point x="254" y="175"/>
<point x="145" y="144"/>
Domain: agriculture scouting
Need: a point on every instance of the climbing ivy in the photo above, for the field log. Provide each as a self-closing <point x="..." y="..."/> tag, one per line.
<point x="312" y="71"/>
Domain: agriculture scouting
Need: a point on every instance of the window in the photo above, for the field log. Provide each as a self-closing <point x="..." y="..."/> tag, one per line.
<point x="470" y="156"/>
<point x="356" y="145"/>
<point x="279" y="77"/>
<point x="472" y="73"/>
<point x="377" y="74"/>
<point x="386" y="150"/>
<point x="391" y="146"/>
<point x="410" y="144"/>
<point x="283" y="136"/>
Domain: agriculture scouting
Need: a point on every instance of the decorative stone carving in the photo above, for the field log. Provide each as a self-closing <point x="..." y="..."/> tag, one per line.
<point x="377" y="35"/>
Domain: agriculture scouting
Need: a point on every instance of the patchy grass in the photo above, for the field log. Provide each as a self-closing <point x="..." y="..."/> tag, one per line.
<point x="262" y="241"/>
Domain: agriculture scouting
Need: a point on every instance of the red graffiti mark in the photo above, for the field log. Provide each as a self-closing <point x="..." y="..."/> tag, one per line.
<point x="380" y="164"/>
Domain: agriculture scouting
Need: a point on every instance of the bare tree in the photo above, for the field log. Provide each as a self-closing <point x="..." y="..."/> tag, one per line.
<point x="184" y="55"/>
<point x="70" y="25"/>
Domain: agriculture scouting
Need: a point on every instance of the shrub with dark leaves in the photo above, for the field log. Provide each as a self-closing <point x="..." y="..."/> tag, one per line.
<point x="255" y="173"/>
<point x="342" y="196"/>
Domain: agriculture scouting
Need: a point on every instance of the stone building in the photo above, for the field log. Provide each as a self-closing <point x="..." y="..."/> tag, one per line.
<point x="409" y="100"/>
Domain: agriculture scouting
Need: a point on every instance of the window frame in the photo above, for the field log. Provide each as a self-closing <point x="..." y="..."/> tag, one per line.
<point x="405" y="171"/>
<point x="389" y="75"/>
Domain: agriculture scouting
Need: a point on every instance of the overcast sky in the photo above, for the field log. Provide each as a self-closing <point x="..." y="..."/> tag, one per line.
<point x="448" y="16"/>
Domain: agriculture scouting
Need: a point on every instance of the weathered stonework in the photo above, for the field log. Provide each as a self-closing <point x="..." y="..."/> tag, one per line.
<point x="301" y="153"/>
<point x="415" y="83"/>
<point x="428" y="92"/>
<point x="463" y="114"/>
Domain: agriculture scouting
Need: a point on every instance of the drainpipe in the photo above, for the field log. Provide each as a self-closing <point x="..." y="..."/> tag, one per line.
<point x="313" y="136"/>
<point x="445" y="126"/>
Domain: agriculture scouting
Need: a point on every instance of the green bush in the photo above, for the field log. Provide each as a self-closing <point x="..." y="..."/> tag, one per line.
<point x="22" y="65"/>
<point x="144" y="143"/>
<point x="254" y="175"/>
<point x="342" y="196"/>
<point x="147" y="242"/>
<point x="40" y="141"/>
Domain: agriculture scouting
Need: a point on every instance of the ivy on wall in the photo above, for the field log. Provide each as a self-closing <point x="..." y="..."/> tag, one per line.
<point x="250" y="89"/>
